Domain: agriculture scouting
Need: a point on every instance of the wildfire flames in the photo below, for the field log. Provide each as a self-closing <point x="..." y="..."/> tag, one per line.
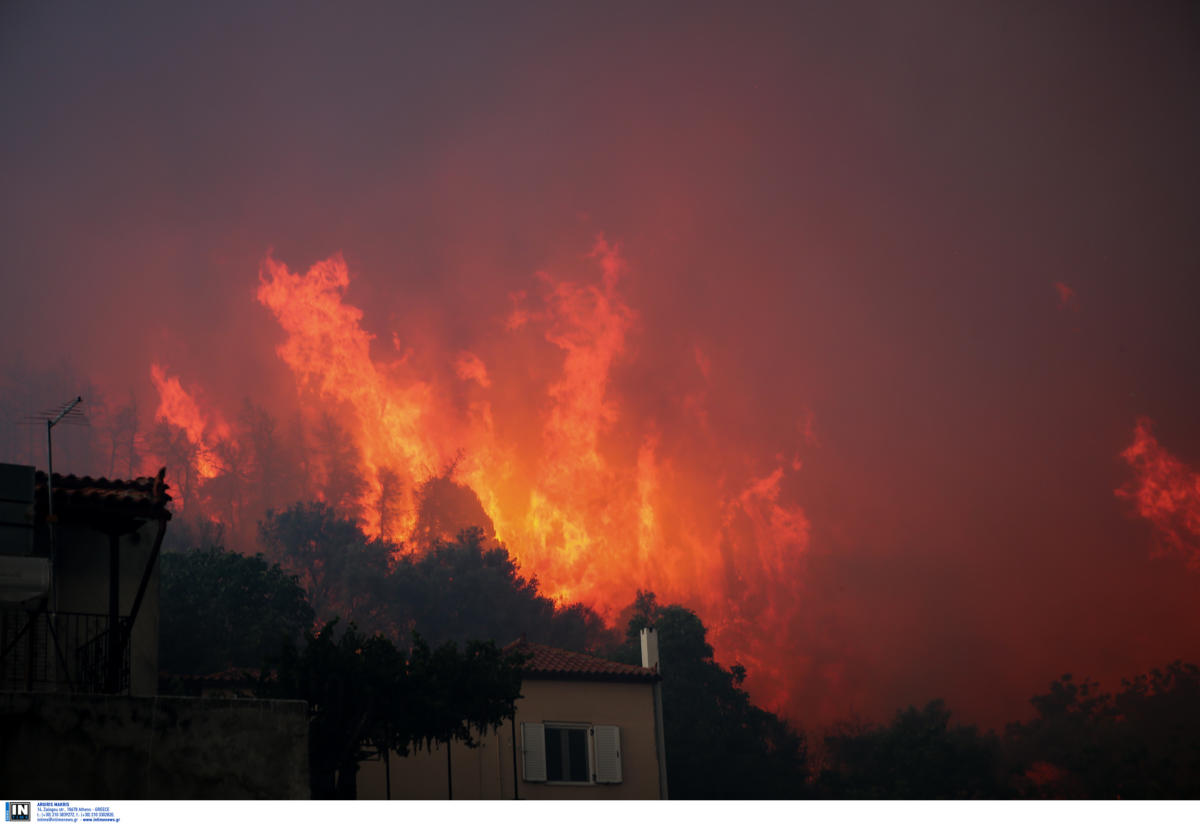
<point x="590" y="493"/>
<point x="177" y="407"/>
<point x="592" y="497"/>
<point x="1166" y="492"/>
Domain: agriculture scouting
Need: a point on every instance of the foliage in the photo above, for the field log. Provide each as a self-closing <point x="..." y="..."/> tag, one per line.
<point x="467" y="589"/>
<point x="1143" y="742"/>
<point x="342" y="570"/>
<point x="186" y="534"/>
<point x="223" y="610"/>
<point x="456" y="590"/>
<point x="919" y="756"/>
<point x="458" y="697"/>
<point x="175" y="449"/>
<point x="445" y="508"/>
<point x="363" y="691"/>
<point x="719" y="744"/>
<point x="336" y="461"/>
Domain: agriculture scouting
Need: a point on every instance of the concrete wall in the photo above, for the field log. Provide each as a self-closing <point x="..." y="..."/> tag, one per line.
<point x="486" y="772"/>
<point x="116" y="747"/>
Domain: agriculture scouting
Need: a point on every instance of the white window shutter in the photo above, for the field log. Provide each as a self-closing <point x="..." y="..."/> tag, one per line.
<point x="608" y="753"/>
<point x="533" y="746"/>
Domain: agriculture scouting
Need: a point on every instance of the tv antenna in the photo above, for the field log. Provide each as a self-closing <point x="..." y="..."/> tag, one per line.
<point x="69" y="413"/>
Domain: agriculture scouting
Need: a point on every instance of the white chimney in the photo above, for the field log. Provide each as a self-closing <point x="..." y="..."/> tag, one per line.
<point x="650" y="649"/>
<point x="650" y="661"/>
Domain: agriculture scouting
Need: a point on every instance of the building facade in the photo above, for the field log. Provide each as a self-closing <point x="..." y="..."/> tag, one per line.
<point x="584" y="728"/>
<point x="79" y="582"/>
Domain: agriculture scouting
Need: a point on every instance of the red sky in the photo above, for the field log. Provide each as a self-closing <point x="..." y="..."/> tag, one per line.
<point x="953" y="244"/>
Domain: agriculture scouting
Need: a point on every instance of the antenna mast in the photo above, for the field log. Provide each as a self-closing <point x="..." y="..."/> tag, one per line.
<point x="50" y="492"/>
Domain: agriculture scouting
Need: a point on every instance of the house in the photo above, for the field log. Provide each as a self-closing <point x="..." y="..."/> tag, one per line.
<point x="79" y="607"/>
<point x="584" y="728"/>
<point x="79" y="581"/>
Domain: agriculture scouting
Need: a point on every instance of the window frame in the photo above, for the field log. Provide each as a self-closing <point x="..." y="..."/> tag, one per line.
<point x="590" y="748"/>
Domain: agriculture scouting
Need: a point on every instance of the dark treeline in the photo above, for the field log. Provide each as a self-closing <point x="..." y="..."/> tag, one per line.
<point x="278" y="612"/>
<point x="457" y="590"/>
<point x="1140" y="742"/>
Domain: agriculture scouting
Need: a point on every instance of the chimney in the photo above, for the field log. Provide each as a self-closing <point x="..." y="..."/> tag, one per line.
<point x="650" y="649"/>
<point x="650" y="661"/>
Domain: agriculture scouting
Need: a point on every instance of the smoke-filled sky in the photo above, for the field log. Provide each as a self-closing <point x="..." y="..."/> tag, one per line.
<point x="867" y="330"/>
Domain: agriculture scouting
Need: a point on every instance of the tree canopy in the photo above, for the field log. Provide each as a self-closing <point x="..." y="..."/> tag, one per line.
<point x="343" y="571"/>
<point x="1142" y="742"/>
<point x="222" y="610"/>
<point x="719" y="744"/>
<point x="466" y="588"/>
<point x="920" y="755"/>
<point x="455" y="590"/>
<point x="364" y="691"/>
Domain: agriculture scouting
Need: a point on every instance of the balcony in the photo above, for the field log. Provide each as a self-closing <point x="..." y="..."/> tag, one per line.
<point x="64" y="652"/>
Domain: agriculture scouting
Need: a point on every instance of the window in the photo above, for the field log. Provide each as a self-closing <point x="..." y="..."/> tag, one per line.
<point x="565" y="753"/>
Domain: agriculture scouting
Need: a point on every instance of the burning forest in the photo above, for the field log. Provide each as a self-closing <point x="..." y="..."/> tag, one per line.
<point x="864" y="339"/>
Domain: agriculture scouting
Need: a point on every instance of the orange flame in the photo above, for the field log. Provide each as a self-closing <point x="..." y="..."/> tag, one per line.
<point x="594" y="500"/>
<point x="178" y="408"/>
<point x="1166" y="492"/>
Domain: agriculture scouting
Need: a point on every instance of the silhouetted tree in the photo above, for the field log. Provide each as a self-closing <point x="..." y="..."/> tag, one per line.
<point x="225" y="493"/>
<point x="921" y="755"/>
<point x="391" y="501"/>
<point x="719" y="744"/>
<point x="269" y="471"/>
<point x="196" y="532"/>
<point x="1143" y="742"/>
<point x="222" y="610"/>
<point x="342" y="570"/>
<point x="455" y="591"/>
<point x="445" y="508"/>
<point x="467" y="589"/>
<point x="173" y="446"/>
<point x="121" y="426"/>
<point x="338" y="464"/>
<point x="363" y="691"/>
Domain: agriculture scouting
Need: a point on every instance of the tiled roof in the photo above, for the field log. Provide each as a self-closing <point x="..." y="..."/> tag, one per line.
<point x="553" y="663"/>
<point x="77" y="498"/>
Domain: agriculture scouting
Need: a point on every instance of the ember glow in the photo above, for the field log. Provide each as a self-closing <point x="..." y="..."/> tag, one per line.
<point x="1166" y="492"/>
<point x="1066" y="295"/>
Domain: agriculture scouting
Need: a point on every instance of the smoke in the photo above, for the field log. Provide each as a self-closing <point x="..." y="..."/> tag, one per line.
<point x="812" y="383"/>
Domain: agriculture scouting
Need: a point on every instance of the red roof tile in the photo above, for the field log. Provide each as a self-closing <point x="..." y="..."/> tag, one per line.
<point x="553" y="663"/>
<point x="140" y="498"/>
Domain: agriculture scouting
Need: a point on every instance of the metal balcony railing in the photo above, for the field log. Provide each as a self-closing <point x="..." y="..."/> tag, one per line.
<point x="64" y="652"/>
